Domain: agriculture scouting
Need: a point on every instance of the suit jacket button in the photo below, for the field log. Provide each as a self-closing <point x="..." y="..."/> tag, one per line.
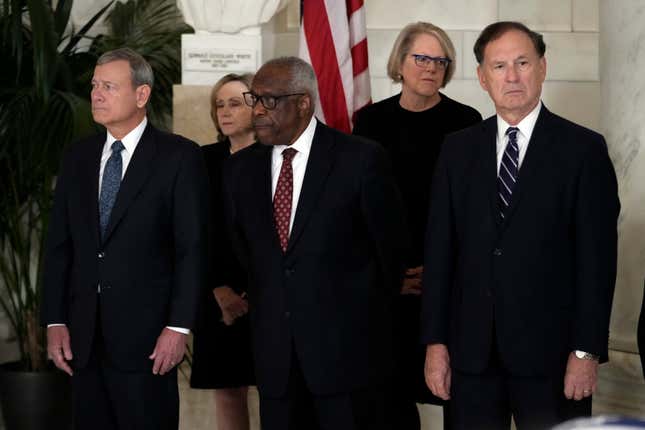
<point x="288" y="272"/>
<point x="287" y="314"/>
<point x="101" y="254"/>
<point x="497" y="252"/>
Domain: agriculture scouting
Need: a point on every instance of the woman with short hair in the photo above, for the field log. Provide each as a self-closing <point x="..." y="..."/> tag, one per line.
<point x="411" y="126"/>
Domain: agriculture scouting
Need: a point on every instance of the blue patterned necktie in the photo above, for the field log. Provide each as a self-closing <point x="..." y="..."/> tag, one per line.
<point x="508" y="171"/>
<point x="110" y="184"/>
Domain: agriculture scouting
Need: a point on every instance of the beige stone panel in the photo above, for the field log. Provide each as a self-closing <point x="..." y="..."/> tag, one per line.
<point x="585" y="15"/>
<point x="462" y="14"/>
<point x="431" y="416"/>
<point x="191" y="113"/>
<point x="279" y="45"/>
<point x="381" y="88"/>
<point x="540" y="15"/>
<point x="468" y="91"/>
<point x="572" y="56"/>
<point x="576" y="101"/>
<point x="448" y="14"/>
<point x="621" y="388"/>
<point x="470" y="63"/>
<point x="384" y="14"/>
<point x="293" y="15"/>
<point x="457" y="38"/>
<point x="379" y="46"/>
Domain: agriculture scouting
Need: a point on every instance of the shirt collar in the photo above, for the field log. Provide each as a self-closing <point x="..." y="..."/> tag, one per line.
<point x="131" y="139"/>
<point x="526" y="126"/>
<point x="303" y="142"/>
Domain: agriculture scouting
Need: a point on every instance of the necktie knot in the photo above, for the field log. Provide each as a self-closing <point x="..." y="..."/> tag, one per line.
<point x="288" y="154"/>
<point x="117" y="147"/>
<point x="511" y="132"/>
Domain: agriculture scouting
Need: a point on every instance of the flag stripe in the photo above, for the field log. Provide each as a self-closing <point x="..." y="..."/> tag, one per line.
<point x="321" y="50"/>
<point x="359" y="56"/>
<point x="333" y="40"/>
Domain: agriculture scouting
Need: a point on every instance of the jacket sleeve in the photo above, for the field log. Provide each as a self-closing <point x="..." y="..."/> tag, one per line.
<point x="597" y="208"/>
<point x="58" y="253"/>
<point x="439" y="256"/>
<point x="190" y="229"/>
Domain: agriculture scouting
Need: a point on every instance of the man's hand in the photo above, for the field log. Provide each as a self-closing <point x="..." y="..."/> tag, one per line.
<point x="168" y="352"/>
<point x="437" y="370"/>
<point x="412" y="281"/>
<point x="232" y="305"/>
<point x="58" y="347"/>
<point x="580" y="378"/>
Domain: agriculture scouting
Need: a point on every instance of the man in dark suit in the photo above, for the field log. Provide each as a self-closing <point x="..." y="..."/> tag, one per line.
<point x="125" y="257"/>
<point x="520" y="260"/>
<point x="317" y="221"/>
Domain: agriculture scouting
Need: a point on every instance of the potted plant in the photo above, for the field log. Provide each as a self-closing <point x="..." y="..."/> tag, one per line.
<point x="44" y="106"/>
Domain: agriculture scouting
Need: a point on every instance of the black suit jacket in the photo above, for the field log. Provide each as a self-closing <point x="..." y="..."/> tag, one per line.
<point x="329" y="296"/>
<point x="151" y="263"/>
<point x="539" y="284"/>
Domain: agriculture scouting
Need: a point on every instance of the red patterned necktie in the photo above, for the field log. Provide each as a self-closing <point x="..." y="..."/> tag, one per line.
<point x="283" y="197"/>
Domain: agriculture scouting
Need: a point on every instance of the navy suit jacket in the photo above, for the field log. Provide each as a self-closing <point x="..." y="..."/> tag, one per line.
<point x="330" y="295"/>
<point x="540" y="284"/>
<point x="151" y="263"/>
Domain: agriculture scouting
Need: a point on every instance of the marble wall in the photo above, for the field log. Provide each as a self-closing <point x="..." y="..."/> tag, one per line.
<point x="570" y="28"/>
<point x="622" y="108"/>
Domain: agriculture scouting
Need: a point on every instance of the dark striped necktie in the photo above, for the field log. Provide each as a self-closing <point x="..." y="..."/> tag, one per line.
<point x="508" y="171"/>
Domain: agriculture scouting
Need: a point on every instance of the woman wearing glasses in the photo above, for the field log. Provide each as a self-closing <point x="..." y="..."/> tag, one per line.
<point x="411" y="126"/>
<point x="221" y="348"/>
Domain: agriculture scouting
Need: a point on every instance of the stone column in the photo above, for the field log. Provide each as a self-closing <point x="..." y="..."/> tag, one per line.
<point x="622" y="112"/>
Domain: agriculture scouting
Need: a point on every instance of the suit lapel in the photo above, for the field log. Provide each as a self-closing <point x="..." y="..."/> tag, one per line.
<point x="489" y="160"/>
<point x="536" y="154"/>
<point x="90" y="186"/>
<point x="316" y="173"/>
<point x="135" y="177"/>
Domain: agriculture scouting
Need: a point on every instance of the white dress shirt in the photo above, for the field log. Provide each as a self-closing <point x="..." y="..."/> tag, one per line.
<point x="298" y="164"/>
<point x="130" y="142"/>
<point x="526" y="127"/>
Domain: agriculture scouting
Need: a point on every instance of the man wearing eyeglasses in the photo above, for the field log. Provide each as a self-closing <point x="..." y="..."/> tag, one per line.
<point x="317" y="220"/>
<point x="520" y="260"/>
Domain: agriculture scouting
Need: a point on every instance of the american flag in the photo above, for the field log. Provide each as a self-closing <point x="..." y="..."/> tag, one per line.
<point x="334" y="41"/>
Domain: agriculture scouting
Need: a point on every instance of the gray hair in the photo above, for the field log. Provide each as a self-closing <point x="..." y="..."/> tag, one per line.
<point x="140" y="69"/>
<point x="303" y="77"/>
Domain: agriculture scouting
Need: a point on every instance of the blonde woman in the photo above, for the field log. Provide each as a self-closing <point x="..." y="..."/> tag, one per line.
<point x="222" y="354"/>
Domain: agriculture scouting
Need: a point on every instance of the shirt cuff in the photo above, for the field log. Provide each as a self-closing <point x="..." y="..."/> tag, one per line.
<point x="179" y="329"/>
<point x="56" y="325"/>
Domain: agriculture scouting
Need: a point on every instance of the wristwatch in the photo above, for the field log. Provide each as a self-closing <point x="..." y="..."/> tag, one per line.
<point x="585" y="355"/>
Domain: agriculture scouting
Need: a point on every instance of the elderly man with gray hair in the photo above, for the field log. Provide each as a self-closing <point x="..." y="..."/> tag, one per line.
<point x="125" y="257"/>
<point x="317" y="220"/>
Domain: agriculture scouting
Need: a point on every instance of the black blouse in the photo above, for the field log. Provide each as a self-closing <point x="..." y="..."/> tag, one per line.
<point x="413" y="141"/>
